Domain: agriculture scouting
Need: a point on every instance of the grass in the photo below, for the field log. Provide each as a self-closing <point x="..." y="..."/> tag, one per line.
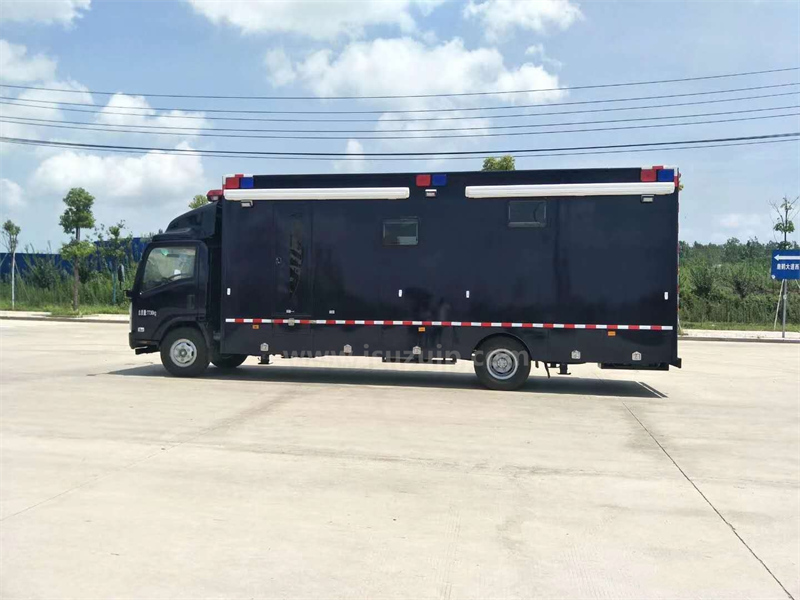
<point x="66" y="311"/>
<point x="718" y="326"/>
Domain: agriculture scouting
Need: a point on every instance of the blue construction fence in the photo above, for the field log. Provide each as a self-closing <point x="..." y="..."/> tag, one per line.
<point x="26" y="260"/>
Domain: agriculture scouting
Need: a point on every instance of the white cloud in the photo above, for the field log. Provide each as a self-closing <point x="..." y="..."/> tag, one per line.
<point x="122" y="110"/>
<point x="43" y="11"/>
<point x="500" y="18"/>
<point x="741" y="225"/>
<point x="17" y="67"/>
<point x="355" y="164"/>
<point x="11" y="196"/>
<point x="155" y="176"/>
<point x="407" y="66"/>
<point x="279" y="67"/>
<point x="39" y="111"/>
<point x="312" y="18"/>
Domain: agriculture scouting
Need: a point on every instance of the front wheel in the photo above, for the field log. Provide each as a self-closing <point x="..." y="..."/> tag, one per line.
<point x="502" y="363"/>
<point x="228" y="361"/>
<point x="184" y="352"/>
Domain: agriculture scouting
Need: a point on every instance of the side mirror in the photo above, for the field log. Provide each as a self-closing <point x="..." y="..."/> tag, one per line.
<point x="129" y="293"/>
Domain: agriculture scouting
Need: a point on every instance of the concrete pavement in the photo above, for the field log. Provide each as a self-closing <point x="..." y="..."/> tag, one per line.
<point x="348" y="478"/>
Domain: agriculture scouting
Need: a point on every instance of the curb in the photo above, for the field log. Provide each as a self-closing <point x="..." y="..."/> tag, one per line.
<point x="681" y="338"/>
<point x="64" y="319"/>
<point x="707" y="338"/>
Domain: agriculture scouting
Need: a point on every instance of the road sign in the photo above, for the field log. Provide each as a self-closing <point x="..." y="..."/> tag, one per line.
<point x="786" y="264"/>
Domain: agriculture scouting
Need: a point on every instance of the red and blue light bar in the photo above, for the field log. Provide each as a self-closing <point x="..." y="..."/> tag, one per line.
<point x="660" y="173"/>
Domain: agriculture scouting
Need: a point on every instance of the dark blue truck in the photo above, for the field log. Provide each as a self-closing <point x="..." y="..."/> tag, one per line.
<point x="502" y="268"/>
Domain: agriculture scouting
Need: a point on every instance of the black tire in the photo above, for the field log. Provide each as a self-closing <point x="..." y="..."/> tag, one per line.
<point x="184" y="352"/>
<point x="228" y="361"/>
<point x="502" y="363"/>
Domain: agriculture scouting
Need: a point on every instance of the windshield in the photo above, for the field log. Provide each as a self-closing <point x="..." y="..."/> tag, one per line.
<point x="171" y="263"/>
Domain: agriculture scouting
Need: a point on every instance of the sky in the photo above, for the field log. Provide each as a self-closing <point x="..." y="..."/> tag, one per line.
<point x="132" y="50"/>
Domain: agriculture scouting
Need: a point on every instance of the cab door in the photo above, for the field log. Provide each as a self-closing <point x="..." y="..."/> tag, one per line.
<point x="171" y="287"/>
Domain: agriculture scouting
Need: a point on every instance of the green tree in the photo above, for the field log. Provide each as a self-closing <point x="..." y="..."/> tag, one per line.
<point x="78" y="215"/>
<point x="198" y="201"/>
<point x="10" y="240"/>
<point x="504" y="163"/>
<point x="784" y="224"/>
<point x="114" y="247"/>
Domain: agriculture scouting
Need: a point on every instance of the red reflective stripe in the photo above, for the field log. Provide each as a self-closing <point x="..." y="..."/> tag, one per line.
<point x="349" y="322"/>
<point x="369" y="322"/>
<point x="427" y="323"/>
<point x="633" y="327"/>
<point x="330" y="322"/>
<point x="656" y="327"/>
<point x="569" y="326"/>
<point x="446" y="323"/>
<point x="591" y="327"/>
<point x="527" y="325"/>
<point x="548" y="325"/>
<point x="304" y="322"/>
<point x="240" y="320"/>
<point x="611" y="326"/>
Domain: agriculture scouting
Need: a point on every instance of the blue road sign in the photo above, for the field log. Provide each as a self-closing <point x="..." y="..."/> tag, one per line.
<point x="786" y="264"/>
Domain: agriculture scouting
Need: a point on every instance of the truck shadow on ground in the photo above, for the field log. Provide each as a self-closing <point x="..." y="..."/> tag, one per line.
<point x="569" y="384"/>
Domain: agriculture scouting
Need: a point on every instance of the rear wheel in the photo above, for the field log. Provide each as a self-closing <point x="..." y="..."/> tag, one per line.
<point x="184" y="352"/>
<point x="502" y="363"/>
<point x="228" y="361"/>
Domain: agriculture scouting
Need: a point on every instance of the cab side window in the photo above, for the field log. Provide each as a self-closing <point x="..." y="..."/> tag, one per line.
<point x="168" y="264"/>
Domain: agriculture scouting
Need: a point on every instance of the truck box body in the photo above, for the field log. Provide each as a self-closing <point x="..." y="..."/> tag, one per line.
<point x="576" y="278"/>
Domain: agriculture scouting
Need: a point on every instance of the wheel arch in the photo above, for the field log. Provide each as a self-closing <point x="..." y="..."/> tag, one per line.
<point x="503" y="334"/>
<point x="178" y="323"/>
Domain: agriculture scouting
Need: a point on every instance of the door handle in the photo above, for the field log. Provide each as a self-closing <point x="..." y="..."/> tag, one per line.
<point x="278" y="260"/>
<point x="190" y="301"/>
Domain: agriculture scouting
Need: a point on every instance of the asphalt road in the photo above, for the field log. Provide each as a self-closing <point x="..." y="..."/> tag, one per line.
<point x="304" y="480"/>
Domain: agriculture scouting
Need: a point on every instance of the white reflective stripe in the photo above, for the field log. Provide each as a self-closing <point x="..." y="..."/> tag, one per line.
<point x="635" y="188"/>
<point x="365" y="193"/>
<point x="453" y="323"/>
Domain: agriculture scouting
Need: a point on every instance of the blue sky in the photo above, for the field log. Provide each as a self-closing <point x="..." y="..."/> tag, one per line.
<point x="387" y="47"/>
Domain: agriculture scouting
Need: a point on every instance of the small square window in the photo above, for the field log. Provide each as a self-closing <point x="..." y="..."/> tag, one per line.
<point x="527" y="213"/>
<point x="401" y="232"/>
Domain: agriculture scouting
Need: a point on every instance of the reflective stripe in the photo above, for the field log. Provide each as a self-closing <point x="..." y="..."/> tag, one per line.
<point x="494" y="324"/>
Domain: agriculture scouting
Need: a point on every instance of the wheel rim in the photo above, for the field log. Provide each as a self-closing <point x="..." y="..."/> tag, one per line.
<point x="183" y="353"/>
<point x="502" y="364"/>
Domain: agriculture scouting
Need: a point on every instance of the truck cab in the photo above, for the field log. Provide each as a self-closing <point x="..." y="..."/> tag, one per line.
<point x="176" y="278"/>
